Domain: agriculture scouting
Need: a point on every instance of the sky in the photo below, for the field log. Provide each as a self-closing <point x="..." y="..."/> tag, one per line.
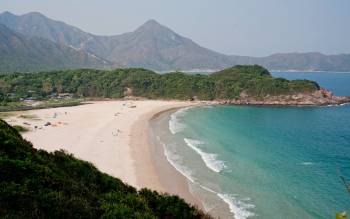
<point x="236" y="27"/>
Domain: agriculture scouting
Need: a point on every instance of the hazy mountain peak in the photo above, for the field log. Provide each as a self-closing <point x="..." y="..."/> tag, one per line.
<point x="7" y="13"/>
<point x="154" y="26"/>
<point x="7" y="18"/>
<point x="34" y="14"/>
<point x="24" y="53"/>
<point x="152" y="22"/>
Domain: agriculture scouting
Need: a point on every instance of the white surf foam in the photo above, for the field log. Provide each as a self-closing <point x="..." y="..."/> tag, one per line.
<point x="307" y="163"/>
<point x="207" y="189"/>
<point x="240" y="208"/>
<point x="175" y="161"/>
<point x="175" y="126"/>
<point x="209" y="159"/>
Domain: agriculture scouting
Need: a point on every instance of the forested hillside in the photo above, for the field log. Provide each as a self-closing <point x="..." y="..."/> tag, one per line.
<point x="253" y="81"/>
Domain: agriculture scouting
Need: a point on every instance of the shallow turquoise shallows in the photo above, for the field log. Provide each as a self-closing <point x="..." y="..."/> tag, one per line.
<point x="268" y="162"/>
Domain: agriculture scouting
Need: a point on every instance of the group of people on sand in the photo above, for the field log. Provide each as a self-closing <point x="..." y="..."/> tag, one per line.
<point x="116" y="133"/>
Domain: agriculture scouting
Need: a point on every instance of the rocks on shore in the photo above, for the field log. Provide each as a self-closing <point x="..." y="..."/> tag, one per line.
<point x="321" y="97"/>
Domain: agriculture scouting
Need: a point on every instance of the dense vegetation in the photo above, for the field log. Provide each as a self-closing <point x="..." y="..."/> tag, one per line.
<point x="6" y="106"/>
<point x="38" y="184"/>
<point x="20" y="128"/>
<point x="255" y="81"/>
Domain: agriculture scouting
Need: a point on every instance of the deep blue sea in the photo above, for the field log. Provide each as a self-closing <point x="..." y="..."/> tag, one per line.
<point x="267" y="162"/>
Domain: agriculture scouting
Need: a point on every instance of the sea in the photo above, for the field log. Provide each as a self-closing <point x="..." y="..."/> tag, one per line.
<point x="266" y="162"/>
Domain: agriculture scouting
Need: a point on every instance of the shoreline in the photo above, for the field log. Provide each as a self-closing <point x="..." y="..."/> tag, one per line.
<point x="89" y="132"/>
<point x="172" y="176"/>
<point x="164" y="177"/>
<point x="322" y="97"/>
<point x="112" y="135"/>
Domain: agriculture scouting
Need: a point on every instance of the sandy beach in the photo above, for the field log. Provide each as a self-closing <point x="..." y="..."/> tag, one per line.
<point x="113" y="135"/>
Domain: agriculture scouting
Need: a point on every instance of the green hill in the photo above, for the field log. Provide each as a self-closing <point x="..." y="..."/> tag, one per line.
<point x="38" y="184"/>
<point x="254" y="81"/>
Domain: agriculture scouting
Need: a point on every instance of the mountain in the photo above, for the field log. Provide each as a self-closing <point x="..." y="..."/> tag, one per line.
<point x="311" y="61"/>
<point x="151" y="46"/>
<point x="38" y="25"/>
<point x="21" y="53"/>
<point x="157" y="47"/>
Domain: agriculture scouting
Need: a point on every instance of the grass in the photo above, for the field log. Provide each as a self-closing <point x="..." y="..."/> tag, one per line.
<point x="20" y="128"/>
<point x="20" y="106"/>
<point x="29" y="116"/>
<point x="4" y="115"/>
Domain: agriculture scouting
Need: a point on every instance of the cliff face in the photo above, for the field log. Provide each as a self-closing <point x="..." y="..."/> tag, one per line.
<point x="321" y="97"/>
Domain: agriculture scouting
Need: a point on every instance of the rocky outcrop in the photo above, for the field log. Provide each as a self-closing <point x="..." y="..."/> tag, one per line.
<point x="321" y="97"/>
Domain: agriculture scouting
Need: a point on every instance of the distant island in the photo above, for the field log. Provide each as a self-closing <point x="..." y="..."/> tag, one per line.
<point x="34" y="42"/>
<point x="242" y="85"/>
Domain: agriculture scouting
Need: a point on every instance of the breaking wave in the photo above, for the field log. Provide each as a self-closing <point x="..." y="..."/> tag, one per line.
<point x="175" y="125"/>
<point x="210" y="160"/>
<point x="239" y="207"/>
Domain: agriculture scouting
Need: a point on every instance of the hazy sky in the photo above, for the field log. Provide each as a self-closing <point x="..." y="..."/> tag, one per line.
<point x="242" y="27"/>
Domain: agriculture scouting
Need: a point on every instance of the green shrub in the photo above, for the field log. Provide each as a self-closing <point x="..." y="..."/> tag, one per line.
<point x="20" y="128"/>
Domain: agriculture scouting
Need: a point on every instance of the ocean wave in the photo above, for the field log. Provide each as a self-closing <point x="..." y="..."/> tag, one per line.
<point x="175" y="160"/>
<point x="336" y="105"/>
<point x="239" y="207"/>
<point x="209" y="159"/>
<point x="307" y="163"/>
<point x="175" y="126"/>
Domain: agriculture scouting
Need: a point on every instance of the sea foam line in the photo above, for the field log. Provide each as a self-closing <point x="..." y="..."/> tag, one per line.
<point x="172" y="158"/>
<point x="175" y="126"/>
<point x="209" y="159"/>
<point x="307" y="163"/>
<point x="238" y="207"/>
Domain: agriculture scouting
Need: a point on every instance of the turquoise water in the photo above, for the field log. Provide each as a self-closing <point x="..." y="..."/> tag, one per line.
<point x="267" y="162"/>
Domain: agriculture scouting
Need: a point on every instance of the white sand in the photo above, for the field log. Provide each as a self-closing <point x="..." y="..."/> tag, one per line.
<point x="90" y="132"/>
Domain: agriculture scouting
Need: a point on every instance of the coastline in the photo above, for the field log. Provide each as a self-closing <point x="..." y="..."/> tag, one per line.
<point x="177" y="179"/>
<point x="112" y="135"/>
<point x="133" y="154"/>
<point x="154" y="171"/>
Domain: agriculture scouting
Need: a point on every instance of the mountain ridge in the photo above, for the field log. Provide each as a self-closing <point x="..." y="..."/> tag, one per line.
<point x="19" y="53"/>
<point x="157" y="47"/>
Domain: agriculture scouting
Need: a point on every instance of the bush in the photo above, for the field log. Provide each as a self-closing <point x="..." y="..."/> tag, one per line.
<point x="20" y="128"/>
